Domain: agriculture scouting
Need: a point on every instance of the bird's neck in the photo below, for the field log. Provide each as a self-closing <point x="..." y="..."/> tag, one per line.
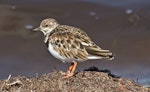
<point x="49" y="32"/>
<point x="51" y="29"/>
<point x="46" y="38"/>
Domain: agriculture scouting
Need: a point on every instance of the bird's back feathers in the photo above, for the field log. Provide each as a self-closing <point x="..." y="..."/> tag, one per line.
<point x="74" y="44"/>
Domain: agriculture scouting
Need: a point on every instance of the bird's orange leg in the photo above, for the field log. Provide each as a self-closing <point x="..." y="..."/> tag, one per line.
<point x="74" y="68"/>
<point x="71" y="70"/>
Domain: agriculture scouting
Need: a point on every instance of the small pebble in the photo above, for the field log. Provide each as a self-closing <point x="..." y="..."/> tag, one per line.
<point x="129" y="11"/>
<point x="28" y="26"/>
<point x="13" y="7"/>
<point x="92" y="13"/>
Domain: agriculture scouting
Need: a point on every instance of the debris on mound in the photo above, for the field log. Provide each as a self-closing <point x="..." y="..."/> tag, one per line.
<point x="85" y="81"/>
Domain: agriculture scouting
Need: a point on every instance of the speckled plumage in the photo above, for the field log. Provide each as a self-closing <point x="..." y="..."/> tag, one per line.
<point x="74" y="44"/>
<point x="70" y="44"/>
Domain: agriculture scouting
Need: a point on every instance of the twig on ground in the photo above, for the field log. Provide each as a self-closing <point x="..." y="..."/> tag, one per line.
<point x="4" y="83"/>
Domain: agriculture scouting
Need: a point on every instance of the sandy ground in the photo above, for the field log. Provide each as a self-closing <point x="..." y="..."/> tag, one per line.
<point x="85" y="81"/>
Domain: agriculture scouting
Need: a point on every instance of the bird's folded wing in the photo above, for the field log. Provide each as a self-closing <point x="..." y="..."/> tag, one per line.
<point x="74" y="43"/>
<point x="69" y="43"/>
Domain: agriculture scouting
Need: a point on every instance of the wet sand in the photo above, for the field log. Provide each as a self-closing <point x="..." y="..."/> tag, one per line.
<point x="123" y="30"/>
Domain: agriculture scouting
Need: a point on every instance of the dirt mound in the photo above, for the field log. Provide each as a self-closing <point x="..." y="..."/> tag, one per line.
<point x="85" y="81"/>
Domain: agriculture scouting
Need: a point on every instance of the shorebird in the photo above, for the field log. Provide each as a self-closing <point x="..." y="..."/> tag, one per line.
<point x="70" y="44"/>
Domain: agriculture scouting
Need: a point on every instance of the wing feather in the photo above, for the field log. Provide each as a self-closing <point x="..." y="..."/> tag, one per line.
<point x="73" y="43"/>
<point x="68" y="42"/>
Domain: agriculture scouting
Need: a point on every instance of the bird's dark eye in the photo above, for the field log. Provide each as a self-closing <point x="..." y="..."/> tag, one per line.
<point x="46" y="25"/>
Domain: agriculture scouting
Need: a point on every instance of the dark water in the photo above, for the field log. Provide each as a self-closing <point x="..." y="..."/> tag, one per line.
<point x="119" y="25"/>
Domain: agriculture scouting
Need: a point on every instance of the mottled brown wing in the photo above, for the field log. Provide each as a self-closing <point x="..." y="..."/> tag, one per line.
<point x="69" y="42"/>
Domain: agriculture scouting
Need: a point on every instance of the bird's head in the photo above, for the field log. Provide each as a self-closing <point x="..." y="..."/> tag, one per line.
<point x="47" y="25"/>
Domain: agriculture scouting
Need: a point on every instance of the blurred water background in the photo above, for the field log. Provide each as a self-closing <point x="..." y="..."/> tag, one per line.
<point x="123" y="26"/>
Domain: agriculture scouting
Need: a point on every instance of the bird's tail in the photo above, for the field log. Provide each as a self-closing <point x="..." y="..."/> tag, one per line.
<point x="96" y="52"/>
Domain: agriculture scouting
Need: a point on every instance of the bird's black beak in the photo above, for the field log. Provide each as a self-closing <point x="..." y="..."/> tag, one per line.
<point x="37" y="29"/>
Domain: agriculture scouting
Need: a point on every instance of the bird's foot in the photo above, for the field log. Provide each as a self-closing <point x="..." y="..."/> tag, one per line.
<point x="70" y="71"/>
<point x="67" y="74"/>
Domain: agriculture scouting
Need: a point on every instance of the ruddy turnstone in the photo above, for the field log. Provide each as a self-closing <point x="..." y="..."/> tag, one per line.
<point x="70" y="44"/>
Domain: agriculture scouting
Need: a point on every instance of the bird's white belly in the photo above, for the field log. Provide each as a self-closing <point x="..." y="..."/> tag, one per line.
<point x="55" y="53"/>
